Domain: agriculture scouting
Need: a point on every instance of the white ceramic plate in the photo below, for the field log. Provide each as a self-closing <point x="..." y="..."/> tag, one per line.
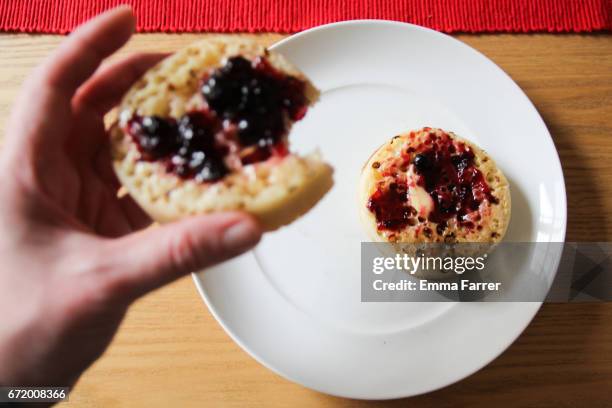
<point x="294" y="302"/>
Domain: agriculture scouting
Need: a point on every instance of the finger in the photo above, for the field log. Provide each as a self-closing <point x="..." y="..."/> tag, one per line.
<point x="150" y="258"/>
<point x="103" y="165"/>
<point x="43" y="113"/>
<point x="104" y="90"/>
<point x="136" y="217"/>
<point x="111" y="222"/>
<point x="98" y="95"/>
<point x="99" y="208"/>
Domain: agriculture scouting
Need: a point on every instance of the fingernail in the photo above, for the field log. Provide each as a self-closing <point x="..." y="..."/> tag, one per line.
<point x="241" y="236"/>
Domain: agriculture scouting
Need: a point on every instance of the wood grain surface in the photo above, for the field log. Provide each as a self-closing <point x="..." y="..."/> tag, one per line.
<point x="171" y="352"/>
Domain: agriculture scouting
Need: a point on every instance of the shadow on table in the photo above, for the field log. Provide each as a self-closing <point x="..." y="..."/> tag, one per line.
<point x="586" y="210"/>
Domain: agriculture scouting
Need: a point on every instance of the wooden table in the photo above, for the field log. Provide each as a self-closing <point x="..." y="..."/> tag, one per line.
<point x="171" y="352"/>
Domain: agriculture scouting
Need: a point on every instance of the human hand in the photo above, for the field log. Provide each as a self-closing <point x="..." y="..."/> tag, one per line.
<point x="74" y="255"/>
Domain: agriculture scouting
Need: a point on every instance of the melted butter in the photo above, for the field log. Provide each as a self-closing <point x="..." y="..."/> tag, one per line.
<point x="417" y="196"/>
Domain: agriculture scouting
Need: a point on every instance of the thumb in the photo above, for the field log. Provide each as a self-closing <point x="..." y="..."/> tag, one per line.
<point x="148" y="259"/>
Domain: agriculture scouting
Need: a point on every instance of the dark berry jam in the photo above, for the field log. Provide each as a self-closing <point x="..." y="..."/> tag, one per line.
<point x="452" y="180"/>
<point x="198" y="155"/>
<point x="256" y="97"/>
<point x="391" y="207"/>
<point x="446" y="170"/>
<point x="154" y="136"/>
<point x="258" y="102"/>
<point x="188" y="147"/>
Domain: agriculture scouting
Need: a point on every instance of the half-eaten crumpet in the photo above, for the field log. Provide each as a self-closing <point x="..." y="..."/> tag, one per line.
<point x="207" y="129"/>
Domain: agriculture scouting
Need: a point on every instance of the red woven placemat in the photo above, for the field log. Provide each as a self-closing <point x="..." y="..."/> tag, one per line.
<point x="60" y="16"/>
